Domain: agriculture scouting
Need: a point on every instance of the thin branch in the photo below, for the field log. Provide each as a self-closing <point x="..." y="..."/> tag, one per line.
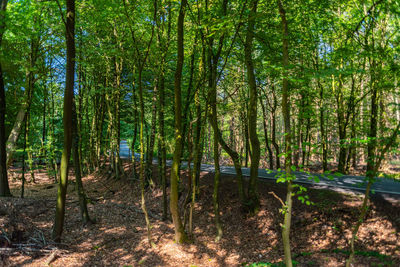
<point x="278" y="198"/>
<point x="61" y="13"/>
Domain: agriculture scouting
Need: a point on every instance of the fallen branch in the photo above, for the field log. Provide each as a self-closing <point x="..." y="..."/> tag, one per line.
<point x="278" y="198"/>
<point x="52" y="257"/>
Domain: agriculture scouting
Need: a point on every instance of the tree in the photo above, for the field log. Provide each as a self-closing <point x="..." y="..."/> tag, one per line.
<point x="288" y="153"/>
<point x="67" y="119"/>
<point x="77" y="167"/>
<point x="180" y="235"/>
<point x="252" y="112"/>
<point x="4" y="187"/>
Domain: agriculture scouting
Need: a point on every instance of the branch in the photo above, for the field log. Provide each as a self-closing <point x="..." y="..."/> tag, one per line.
<point x="61" y="13"/>
<point x="369" y="11"/>
<point x="232" y="43"/>
<point x="278" y="198"/>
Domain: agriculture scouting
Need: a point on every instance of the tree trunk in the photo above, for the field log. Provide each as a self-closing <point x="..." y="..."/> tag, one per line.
<point x="267" y="145"/>
<point x="252" y="113"/>
<point x="196" y="158"/>
<point x="67" y="121"/>
<point x="141" y="168"/>
<point x="373" y="163"/>
<point x="246" y="139"/>
<point x="180" y="235"/>
<point x="161" y="140"/>
<point x="43" y="147"/>
<point x="77" y="166"/>
<point x="213" y="119"/>
<point x="322" y="128"/>
<point x="149" y="160"/>
<point x="117" y="135"/>
<point x="163" y="46"/>
<point x="135" y="130"/>
<point x="189" y="96"/>
<point x="4" y="187"/>
<point x="273" y="126"/>
<point x="23" y="180"/>
<point x="288" y="154"/>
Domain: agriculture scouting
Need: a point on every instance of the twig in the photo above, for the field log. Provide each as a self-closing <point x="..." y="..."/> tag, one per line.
<point x="278" y="198"/>
<point x="61" y="12"/>
<point x="52" y="257"/>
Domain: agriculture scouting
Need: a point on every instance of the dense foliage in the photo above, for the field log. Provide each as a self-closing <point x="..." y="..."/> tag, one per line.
<point x="277" y="84"/>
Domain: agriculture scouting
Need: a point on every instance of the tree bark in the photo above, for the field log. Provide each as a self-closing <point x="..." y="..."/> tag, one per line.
<point x="67" y="121"/>
<point x="150" y="152"/>
<point x="77" y="167"/>
<point x="4" y="187"/>
<point x="267" y="145"/>
<point x="180" y="235"/>
<point x="252" y="113"/>
<point x="163" y="152"/>
<point x="274" y="106"/>
<point x="288" y="154"/>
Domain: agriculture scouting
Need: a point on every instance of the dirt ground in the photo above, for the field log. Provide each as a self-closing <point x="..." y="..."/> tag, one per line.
<point x="319" y="236"/>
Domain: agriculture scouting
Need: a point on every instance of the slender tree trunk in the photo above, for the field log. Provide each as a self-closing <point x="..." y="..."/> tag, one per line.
<point x="52" y="160"/>
<point x="77" y="167"/>
<point x="29" y="149"/>
<point x="217" y="175"/>
<point x="43" y="148"/>
<point x="212" y="96"/>
<point x="288" y="154"/>
<point x="67" y="121"/>
<point x="190" y="95"/>
<point x="135" y="130"/>
<point x="342" y="125"/>
<point x="273" y="130"/>
<point x="4" y="187"/>
<point x="117" y="96"/>
<point x="267" y="145"/>
<point x="180" y="235"/>
<point x="322" y="128"/>
<point x="246" y="140"/>
<point x="150" y="152"/>
<point x="197" y="158"/>
<point x="161" y="141"/>
<point x="23" y="160"/>
<point x="321" y="105"/>
<point x="163" y="46"/>
<point x="141" y="169"/>
<point x="306" y="138"/>
<point x="372" y="162"/>
<point x="213" y="118"/>
<point x="342" y="150"/>
<point x="252" y="113"/>
<point x="351" y="150"/>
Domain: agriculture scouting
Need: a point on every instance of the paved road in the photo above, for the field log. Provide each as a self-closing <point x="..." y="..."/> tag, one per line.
<point x="349" y="182"/>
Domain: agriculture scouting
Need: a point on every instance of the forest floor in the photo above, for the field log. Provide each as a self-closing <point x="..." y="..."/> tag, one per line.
<point x="319" y="236"/>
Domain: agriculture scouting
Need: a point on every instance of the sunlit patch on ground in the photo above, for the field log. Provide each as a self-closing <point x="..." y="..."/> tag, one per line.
<point x="319" y="232"/>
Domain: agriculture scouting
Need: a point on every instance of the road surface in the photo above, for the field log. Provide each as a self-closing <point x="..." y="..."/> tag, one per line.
<point x="349" y="182"/>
